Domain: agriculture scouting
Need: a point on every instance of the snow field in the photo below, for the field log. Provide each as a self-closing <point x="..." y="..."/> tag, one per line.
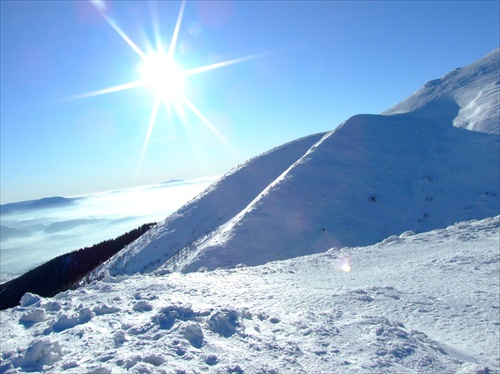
<point x="414" y="303"/>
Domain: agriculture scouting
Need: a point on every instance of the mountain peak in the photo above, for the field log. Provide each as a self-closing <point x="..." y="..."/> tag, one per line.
<point x="475" y="89"/>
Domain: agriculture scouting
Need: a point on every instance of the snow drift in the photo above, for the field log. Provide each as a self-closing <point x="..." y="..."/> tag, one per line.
<point x="428" y="162"/>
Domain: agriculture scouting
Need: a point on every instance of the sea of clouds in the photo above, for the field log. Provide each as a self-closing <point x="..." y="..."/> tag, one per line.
<point x="34" y="232"/>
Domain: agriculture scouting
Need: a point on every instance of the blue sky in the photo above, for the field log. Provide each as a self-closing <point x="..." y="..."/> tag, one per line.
<point x="312" y="66"/>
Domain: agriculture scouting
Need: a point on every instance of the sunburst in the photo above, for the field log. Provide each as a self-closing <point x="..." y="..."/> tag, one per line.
<point x="163" y="77"/>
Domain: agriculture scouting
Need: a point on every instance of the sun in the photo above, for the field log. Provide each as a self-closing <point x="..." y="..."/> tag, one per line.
<point x="161" y="76"/>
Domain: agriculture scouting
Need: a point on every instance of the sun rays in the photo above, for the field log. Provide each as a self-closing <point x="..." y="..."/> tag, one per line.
<point x="163" y="77"/>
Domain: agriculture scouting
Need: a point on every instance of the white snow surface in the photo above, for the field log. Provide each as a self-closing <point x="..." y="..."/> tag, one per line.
<point x="474" y="88"/>
<point x="413" y="303"/>
<point x="419" y="167"/>
<point x="205" y="213"/>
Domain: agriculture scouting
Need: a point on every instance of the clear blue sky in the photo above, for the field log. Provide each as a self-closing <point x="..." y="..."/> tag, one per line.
<point x="319" y="63"/>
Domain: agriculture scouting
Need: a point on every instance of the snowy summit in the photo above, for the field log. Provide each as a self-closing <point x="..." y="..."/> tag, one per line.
<point x="373" y="248"/>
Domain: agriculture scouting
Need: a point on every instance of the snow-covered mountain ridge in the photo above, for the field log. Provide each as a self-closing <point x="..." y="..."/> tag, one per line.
<point x="416" y="167"/>
<point x="425" y="303"/>
<point x="474" y="88"/>
<point x="221" y="201"/>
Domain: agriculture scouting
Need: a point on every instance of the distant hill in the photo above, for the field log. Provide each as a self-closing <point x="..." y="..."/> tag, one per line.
<point x="46" y="202"/>
<point x="9" y="232"/>
<point x="173" y="181"/>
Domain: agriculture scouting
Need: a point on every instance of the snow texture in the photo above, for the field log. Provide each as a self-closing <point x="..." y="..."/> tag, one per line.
<point x="414" y="303"/>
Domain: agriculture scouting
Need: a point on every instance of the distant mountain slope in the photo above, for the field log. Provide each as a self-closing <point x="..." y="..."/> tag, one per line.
<point x="46" y="202"/>
<point x="417" y="167"/>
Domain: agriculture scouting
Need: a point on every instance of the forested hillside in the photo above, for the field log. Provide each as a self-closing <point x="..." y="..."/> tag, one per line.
<point x="66" y="271"/>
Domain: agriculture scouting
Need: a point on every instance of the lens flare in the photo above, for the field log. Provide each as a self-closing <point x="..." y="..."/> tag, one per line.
<point x="342" y="262"/>
<point x="346" y="267"/>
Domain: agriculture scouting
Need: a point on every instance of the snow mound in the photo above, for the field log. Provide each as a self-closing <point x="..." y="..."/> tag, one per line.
<point x="224" y="322"/>
<point x="29" y="299"/>
<point x="40" y="353"/>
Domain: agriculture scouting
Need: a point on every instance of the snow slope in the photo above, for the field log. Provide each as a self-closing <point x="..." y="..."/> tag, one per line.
<point x="416" y="167"/>
<point x="202" y="215"/>
<point x="474" y="88"/>
<point x="424" y="303"/>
